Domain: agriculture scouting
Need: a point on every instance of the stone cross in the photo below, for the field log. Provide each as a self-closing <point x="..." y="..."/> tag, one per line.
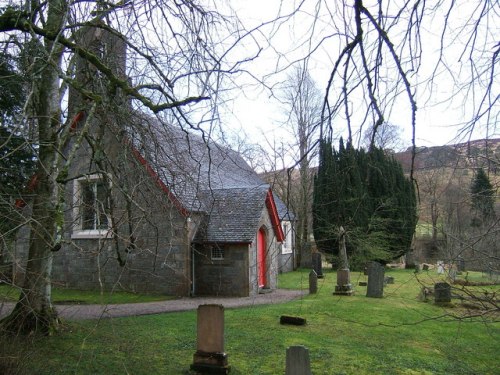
<point x="210" y="356"/>
<point x="344" y="264"/>
<point x="297" y="361"/>
<point x="375" y="286"/>
<point x="343" y="286"/>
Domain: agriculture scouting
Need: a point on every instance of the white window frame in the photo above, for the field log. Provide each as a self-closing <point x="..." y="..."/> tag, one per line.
<point x="287" y="245"/>
<point x="216" y="253"/>
<point x="78" y="231"/>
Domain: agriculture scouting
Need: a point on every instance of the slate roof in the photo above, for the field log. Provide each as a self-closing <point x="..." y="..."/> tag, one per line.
<point x="234" y="214"/>
<point x="206" y="178"/>
<point x="284" y="212"/>
<point x="190" y="165"/>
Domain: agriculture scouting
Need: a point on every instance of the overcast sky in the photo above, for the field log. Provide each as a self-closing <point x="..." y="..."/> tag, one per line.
<point x="257" y="111"/>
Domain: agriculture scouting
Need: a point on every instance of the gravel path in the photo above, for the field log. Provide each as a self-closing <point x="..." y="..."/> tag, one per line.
<point x="182" y="304"/>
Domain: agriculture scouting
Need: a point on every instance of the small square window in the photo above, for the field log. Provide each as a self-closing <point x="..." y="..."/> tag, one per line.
<point x="217" y="253"/>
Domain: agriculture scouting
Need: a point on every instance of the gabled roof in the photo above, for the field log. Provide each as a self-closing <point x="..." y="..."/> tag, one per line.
<point x="189" y="164"/>
<point x="202" y="176"/>
<point x="235" y="214"/>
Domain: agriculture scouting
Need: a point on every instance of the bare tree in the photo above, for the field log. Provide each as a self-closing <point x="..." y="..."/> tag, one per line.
<point x="387" y="137"/>
<point x="302" y="103"/>
<point x="177" y="60"/>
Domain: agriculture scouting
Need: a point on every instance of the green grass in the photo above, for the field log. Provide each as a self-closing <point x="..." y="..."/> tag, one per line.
<point x="9" y="293"/>
<point x="397" y="334"/>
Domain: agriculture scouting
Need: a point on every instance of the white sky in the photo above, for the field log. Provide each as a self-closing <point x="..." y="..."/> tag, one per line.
<point x="257" y="112"/>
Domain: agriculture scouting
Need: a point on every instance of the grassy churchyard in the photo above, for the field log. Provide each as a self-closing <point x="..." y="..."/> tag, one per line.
<point x="398" y="334"/>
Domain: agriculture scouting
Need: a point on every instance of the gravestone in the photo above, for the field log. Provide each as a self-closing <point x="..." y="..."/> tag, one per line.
<point x="452" y="273"/>
<point x="313" y="282"/>
<point x="375" y="288"/>
<point x="460" y="264"/>
<point x="343" y="286"/>
<point x="425" y="267"/>
<point x="297" y="361"/>
<point x="389" y="280"/>
<point x="317" y="264"/>
<point x="442" y="293"/>
<point x="210" y="357"/>
<point x="440" y="267"/>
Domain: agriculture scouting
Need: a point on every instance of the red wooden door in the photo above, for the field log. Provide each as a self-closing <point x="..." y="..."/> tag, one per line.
<point x="261" y="257"/>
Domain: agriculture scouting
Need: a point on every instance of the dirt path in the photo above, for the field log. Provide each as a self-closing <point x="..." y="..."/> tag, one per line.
<point x="182" y="304"/>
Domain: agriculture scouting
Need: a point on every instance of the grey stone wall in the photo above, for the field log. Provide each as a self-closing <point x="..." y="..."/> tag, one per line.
<point x="285" y="262"/>
<point x="148" y="249"/>
<point x="225" y="277"/>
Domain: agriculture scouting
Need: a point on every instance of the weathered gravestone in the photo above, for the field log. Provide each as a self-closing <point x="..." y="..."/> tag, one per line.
<point x="313" y="282"/>
<point x="344" y="286"/>
<point x="442" y="293"/>
<point x="452" y="273"/>
<point x="210" y="357"/>
<point x="417" y="268"/>
<point x="375" y="288"/>
<point x="297" y="361"/>
<point x="460" y="264"/>
<point x="389" y="280"/>
<point x="317" y="264"/>
<point x="440" y="267"/>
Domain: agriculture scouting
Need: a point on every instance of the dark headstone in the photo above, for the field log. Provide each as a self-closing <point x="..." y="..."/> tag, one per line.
<point x="375" y="287"/>
<point x="293" y="320"/>
<point x="389" y="280"/>
<point x="460" y="264"/>
<point x="362" y="283"/>
<point x="210" y="357"/>
<point x="442" y="293"/>
<point x="313" y="282"/>
<point x="317" y="264"/>
<point x="425" y="267"/>
<point x="297" y="361"/>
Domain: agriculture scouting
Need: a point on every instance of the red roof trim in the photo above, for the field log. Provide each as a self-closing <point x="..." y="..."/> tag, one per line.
<point x="182" y="210"/>
<point x="273" y="213"/>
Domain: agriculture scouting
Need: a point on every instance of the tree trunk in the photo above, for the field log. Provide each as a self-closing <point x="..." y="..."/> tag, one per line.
<point x="34" y="312"/>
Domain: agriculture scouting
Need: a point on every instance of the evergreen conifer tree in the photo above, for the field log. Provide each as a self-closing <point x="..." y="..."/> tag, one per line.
<point x="16" y="156"/>
<point x="482" y="199"/>
<point x="368" y="194"/>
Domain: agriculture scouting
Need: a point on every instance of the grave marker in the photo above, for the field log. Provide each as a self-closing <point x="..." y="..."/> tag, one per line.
<point x="210" y="357"/>
<point x="375" y="288"/>
<point x="297" y="361"/>
<point x="313" y="282"/>
<point x="460" y="264"/>
<point x="343" y="286"/>
<point x="317" y="264"/>
<point x="442" y="293"/>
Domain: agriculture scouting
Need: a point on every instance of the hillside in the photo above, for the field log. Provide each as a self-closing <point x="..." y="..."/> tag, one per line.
<point x="470" y="155"/>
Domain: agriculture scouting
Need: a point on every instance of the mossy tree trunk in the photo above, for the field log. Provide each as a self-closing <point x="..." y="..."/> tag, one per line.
<point x="34" y="312"/>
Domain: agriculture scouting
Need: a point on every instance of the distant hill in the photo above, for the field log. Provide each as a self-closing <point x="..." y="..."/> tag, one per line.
<point x="483" y="153"/>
